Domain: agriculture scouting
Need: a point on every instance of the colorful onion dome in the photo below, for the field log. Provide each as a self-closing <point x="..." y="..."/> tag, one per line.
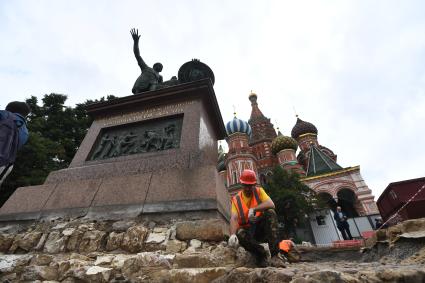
<point x="283" y="142"/>
<point x="221" y="166"/>
<point x="302" y="127"/>
<point x="238" y="126"/>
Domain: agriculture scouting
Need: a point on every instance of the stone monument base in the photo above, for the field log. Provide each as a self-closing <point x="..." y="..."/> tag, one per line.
<point x="149" y="155"/>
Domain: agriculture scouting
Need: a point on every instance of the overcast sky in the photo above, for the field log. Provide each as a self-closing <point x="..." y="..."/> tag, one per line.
<point x="356" y="69"/>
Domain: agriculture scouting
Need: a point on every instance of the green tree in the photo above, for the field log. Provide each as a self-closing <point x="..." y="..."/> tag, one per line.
<point x="293" y="199"/>
<point x="55" y="133"/>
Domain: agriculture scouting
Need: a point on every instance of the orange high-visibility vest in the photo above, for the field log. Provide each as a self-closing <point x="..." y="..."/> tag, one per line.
<point x="243" y="208"/>
<point x="285" y="245"/>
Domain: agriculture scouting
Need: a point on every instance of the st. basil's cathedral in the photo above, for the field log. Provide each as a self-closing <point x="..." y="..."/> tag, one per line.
<point x="256" y="145"/>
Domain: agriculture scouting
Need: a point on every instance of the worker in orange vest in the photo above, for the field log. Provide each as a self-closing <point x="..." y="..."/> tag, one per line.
<point x="289" y="250"/>
<point x="254" y="221"/>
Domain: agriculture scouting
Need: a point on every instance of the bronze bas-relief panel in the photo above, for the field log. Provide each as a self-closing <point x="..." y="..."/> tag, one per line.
<point x="135" y="138"/>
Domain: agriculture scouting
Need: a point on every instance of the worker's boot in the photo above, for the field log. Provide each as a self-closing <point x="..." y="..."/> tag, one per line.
<point x="262" y="261"/>
<point x="262" y="258"/>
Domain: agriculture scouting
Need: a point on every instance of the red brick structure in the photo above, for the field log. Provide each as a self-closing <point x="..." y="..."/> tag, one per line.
<point x="399" y="193"/>
<point x="263" y="134"/>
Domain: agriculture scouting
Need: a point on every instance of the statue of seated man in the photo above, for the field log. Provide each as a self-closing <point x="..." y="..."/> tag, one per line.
<point x="150" y="77"/>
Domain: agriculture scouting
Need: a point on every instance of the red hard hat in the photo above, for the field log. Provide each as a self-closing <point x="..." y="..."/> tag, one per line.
<point x="248" y="177"/>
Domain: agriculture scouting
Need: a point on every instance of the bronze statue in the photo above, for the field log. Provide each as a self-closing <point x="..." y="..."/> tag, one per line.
<point x="150" y="77"/>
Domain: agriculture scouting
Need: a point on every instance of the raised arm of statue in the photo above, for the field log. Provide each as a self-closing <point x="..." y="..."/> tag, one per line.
<point x="135" y="35"/>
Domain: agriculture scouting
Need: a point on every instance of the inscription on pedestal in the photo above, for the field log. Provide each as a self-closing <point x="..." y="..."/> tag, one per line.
<point x="140" y="137"/>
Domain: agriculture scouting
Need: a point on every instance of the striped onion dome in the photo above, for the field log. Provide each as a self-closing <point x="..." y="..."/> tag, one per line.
<point x="238" y="126"/>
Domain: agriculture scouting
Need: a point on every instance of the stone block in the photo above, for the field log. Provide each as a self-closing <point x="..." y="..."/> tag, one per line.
<point x="114" y="241"/>
<point x="91" y="241"/>
<point x="74" y="240"/>
<point x="6" y="241"/>
<point x="205" y="230"/>
<point x="134" y="239"/>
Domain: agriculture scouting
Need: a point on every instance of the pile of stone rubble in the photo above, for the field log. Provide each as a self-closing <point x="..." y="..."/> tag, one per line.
<point x="133" y="251"/>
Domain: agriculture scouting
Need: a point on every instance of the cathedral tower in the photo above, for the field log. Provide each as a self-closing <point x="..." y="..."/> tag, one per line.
<point x="263" y="134"/>
<point x="239" y="156"/>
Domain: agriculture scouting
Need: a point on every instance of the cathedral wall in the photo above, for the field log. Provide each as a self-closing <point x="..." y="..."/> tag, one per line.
<point x="351" y="180"/>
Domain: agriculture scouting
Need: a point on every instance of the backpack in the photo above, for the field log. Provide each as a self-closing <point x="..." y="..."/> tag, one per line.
<point x="8" y="139"/>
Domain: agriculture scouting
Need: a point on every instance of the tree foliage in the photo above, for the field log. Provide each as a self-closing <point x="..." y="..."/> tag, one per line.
<point x="293" y="199"/>
<point x="55" y="133"/>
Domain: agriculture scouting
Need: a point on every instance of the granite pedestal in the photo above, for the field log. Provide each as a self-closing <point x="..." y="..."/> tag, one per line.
<point x="149" y="154"/>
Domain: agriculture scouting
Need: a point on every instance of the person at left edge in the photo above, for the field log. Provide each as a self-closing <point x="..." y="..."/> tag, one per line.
<point x="13" y="135"/>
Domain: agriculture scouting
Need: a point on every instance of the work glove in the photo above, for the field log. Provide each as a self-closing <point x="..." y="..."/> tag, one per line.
<point x="233" y="241"/>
